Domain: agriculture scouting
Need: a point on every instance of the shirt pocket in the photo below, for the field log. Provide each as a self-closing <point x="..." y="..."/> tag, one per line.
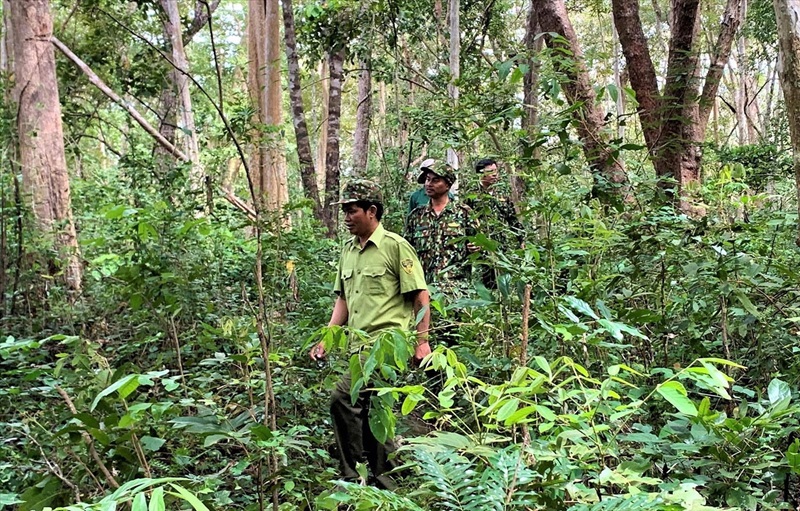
<point x="347" y="282"/>
<point x="375" y="279"/>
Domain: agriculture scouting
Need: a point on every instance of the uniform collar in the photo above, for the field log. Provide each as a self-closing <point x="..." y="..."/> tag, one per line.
<point x="376" y="239"/>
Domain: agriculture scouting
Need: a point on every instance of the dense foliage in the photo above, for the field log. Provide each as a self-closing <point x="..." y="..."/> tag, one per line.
<point x="659" y="372"/>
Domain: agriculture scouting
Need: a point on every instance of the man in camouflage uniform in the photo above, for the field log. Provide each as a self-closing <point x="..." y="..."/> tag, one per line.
<point x="419" y="197"/>
<point x="494" y="211"/>
<point x="379" y="286"/>
<point x="438" y="230"/>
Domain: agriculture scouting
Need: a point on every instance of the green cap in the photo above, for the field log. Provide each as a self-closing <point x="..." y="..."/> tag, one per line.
<point x="441" y="170"/>
<point x="360" y="189"/>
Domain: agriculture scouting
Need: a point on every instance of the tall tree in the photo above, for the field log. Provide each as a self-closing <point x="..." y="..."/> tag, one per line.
<point x="303" y="141"/>
<point x="264" y="84"/>
<point x="336" y="65"/>
<point x="553" y="19"/>
<point x="41" y="136"/>
<point x="455" y="64"/>
<point x="674" y="120"/>
<point x="787" y="15"/>
<point x="363" y="119"/>
<point x="172" y="28"/>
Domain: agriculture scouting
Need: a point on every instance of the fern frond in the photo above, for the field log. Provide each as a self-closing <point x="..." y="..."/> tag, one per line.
<point x="639" y="502"/>
<point x="451" y="478"/>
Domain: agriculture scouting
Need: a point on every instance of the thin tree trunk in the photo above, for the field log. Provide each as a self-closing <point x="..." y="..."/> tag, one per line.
<point x="264" y="83"/>
<point x="455" y="65"/>
<point x="322" y="137"/>
<point x="619" y="102"/>
<point x="172" y="27"/>
<point x="578" y="88"/>
<point x="787" y="14"/>
<point x="731" y="21"/>
<point x="332" y="152"/>
<point x="530" y="82"/>
<point x="41" y="136"/>
<point x="363" y="120"/>
<point x="304" y="155"/>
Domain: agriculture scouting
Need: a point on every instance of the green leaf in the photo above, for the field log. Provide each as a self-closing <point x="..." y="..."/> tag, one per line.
<point x="189" y="497"/>
<point x="8" y="499"/>
<point x="157" y="500"/>
<point x="580" y="306"/>
<point x="676" y="394"/>
<point x="746" y="303"/>
<point x="139" y="502"/>
<point x="152" y="443"/>
<point x="779" y="394"/>
<point x="508" y="409"/>
<point x="410" y="402"/>
<point x="126" y="380"/>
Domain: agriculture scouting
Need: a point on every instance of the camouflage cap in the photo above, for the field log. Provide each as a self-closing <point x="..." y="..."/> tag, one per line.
<point x="442" y="170"/>
<point x="360" y="189"/>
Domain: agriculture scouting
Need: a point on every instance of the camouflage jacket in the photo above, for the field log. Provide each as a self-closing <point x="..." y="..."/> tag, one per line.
<point x="497" y="218"/>
<point x="440" y="240"/>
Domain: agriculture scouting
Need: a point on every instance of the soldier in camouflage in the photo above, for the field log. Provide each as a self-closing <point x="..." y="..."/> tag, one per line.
<point x="493" y="209"/>
<point x="438" y="230"/>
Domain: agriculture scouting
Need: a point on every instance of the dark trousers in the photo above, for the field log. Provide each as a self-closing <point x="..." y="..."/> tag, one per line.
<point x="356" y="442"/>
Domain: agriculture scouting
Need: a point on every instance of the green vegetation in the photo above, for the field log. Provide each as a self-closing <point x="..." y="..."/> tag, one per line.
<point x="660" y="371"/>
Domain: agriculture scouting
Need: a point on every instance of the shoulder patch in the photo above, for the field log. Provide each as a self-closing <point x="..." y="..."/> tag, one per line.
<point x="407" y="265"/>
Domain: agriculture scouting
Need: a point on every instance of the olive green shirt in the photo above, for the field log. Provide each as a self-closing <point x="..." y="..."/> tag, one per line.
<point x="374" y="280"/>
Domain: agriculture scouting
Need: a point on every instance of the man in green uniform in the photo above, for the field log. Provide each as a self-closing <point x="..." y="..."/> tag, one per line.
<point x="379" y="286"/>
<point x="495" y="212"/>
<point x="438" y="230"/>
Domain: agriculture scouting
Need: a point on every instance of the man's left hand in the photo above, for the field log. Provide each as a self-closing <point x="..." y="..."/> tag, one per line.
<point x="423" y="350"/>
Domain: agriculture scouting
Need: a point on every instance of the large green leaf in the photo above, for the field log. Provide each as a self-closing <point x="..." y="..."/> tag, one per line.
<point x="676" y="394"/>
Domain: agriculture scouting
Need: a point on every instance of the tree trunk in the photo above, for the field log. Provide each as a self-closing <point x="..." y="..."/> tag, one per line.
<point x="6" y="44"/>
<point x="304" y="155"/>
<point x="731" y="21"/>
<point x="453" y="12"/>
<point x="578" y="88"/>
<point x="172" y="28"/>
<point x="264" y="83"/>
<point x="41" y="137"/>
<point x="336" y="63"/>
<point x="787" y="14"/>
<point x="322" y="125"/>
<point x="530" y="82"/>
<point x="674" y="122"/>
<point x="363" y="120"/>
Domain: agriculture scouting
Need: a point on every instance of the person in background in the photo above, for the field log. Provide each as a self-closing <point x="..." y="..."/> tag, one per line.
<point x="494" y="211"/>
<point x="438" y="231"/>
<point x="420" y="198"/>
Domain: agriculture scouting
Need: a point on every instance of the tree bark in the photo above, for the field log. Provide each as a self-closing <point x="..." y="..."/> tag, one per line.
<point x="453" y="12"/>
<point x="172" y="28"/>
<point x="336" y="63"/>
<point x="731" y="21"/>
<point x="363" y="120"/>
<point x="304" y="154"/>
<point x="264" y="84"/>
<point x="41" y="136"/>
<point x="674" y="121"/>
<point x="530" y="82"/>
<point x="641" y="72"/>
<point x="787" y="15"/>
<point x="322" y="125"/>
<point x="578" y="88"/>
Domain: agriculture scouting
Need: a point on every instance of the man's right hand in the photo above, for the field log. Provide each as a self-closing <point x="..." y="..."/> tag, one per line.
<point x="318" y="352"/>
